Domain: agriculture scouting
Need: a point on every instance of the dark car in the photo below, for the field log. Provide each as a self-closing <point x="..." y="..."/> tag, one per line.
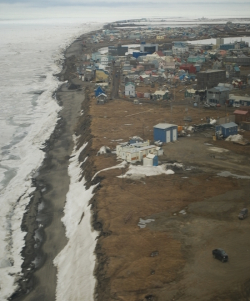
<point x="220" y="254"/>
<point x="243" y="213"/>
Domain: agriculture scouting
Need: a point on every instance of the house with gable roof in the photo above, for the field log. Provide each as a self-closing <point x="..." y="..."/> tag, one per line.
<point x="130" y="89"/>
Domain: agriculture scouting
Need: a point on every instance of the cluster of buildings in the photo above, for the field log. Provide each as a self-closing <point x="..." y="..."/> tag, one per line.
<point x="150" y="65"/>
<point x="137" y="150"/>
<point x="149" y="69"/>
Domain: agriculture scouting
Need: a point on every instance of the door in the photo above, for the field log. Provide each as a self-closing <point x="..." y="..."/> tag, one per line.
<point x="167" y="136"/>
<point x="174" y="134"/>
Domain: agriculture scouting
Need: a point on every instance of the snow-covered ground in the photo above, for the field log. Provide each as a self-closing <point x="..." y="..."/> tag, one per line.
<point x="147" y="171"/>
<point x="76" y="262"/>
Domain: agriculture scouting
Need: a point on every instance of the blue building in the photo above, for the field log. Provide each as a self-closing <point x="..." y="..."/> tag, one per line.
<point x="227" y="46"/>
<point x="165" y="132"/>
<point x="227" y="129"/>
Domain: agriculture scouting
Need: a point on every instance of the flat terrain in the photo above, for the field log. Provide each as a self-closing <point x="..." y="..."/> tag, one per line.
<point x="170" y="259"/>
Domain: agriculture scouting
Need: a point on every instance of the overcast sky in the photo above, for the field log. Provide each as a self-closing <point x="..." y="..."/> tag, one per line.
<point x="120" y="9"/>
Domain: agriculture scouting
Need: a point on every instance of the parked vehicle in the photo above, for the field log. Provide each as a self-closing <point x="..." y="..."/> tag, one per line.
<point x="220" y="255"/>
<point x="243" y="213"/>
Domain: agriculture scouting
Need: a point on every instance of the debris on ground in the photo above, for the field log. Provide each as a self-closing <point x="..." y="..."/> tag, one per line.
<point x="175" y="166"/>
<point x="103" y="150"/>
<point x="218" y="149"/>
<point x="234" y="138"/>
<point x="237" y="139"/>
<point x="212" y="121"/>
<point x="143" y="222"/>
<point x="158" y="143"/>
<point x="155" y="253"/>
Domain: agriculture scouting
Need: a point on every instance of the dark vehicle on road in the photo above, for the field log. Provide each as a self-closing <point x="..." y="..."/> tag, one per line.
<point x="220" y="254"/>
<point x="243" y="213"/>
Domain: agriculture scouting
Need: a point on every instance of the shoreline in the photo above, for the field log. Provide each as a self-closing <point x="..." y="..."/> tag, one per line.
<point x="46" y="206"/>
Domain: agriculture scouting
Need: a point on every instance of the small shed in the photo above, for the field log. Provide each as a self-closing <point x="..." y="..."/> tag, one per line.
<point x="160" y="95"/>
<point x="241" y="115"/>
<point x="150" y="160"/>
<point x="227" y="129"/>
<point x="130" y="89"/>
<point x="189" y="92"/>
<point x="245" y="125"/>
<point x="140" y="94"/>
<point x="165" y="132"/>
<point x="101" y="99"/>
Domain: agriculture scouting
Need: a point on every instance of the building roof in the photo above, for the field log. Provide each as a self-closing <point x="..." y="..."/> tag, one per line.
<point x="164" y="126"/>
<point x="160" y="53"/>
<point x="238" y="98"/>
<point x="129" y="83"/>
<point x="219" y="88"/>
<point x="239" y="112"/>
<point x="102" y="94"/>
<point x="212" y="71"/>
<point x="132" y="149"/>
<point x="191" y="91"/>
<point x="161" y="92"/>
<point x="229" y="125"/>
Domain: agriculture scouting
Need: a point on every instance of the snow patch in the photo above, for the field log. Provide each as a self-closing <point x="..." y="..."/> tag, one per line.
<point x="147" y="171"/>
<point x="143" y="222"/>
<point x="234" y="138"/>
<point x="218" y="149"/>
<point x="123" y="164"/>
<point x="76" y="262"/>
<point x="103" y="150"/>
<point x="229" y="174"/>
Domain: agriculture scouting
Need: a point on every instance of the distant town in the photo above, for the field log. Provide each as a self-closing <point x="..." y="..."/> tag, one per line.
<point x="164" y="64"/>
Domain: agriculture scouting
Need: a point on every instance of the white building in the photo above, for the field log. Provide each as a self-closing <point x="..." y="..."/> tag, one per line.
<point x="130" y="89"/>
<point x="180" y="48"/>
<point x="137" y="151"/>
<point x="104" y="60"/>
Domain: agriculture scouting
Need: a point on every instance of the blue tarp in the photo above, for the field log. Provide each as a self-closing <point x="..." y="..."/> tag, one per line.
<point x="99" y="91"/>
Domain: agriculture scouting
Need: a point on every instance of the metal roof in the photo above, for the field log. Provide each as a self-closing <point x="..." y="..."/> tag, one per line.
<point x="130" y="83"/>
<point x="161" y="92"/>
<point x="240" y="112"/>
<point x="229" y="125"/>
<point x="239" y="98"/>
<point x="219" y="88"/>
<point x="164" y="126"/>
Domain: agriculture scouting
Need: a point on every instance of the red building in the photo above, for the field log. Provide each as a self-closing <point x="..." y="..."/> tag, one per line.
<point x="241" y="115"/>
<point x="188" y="67"/>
